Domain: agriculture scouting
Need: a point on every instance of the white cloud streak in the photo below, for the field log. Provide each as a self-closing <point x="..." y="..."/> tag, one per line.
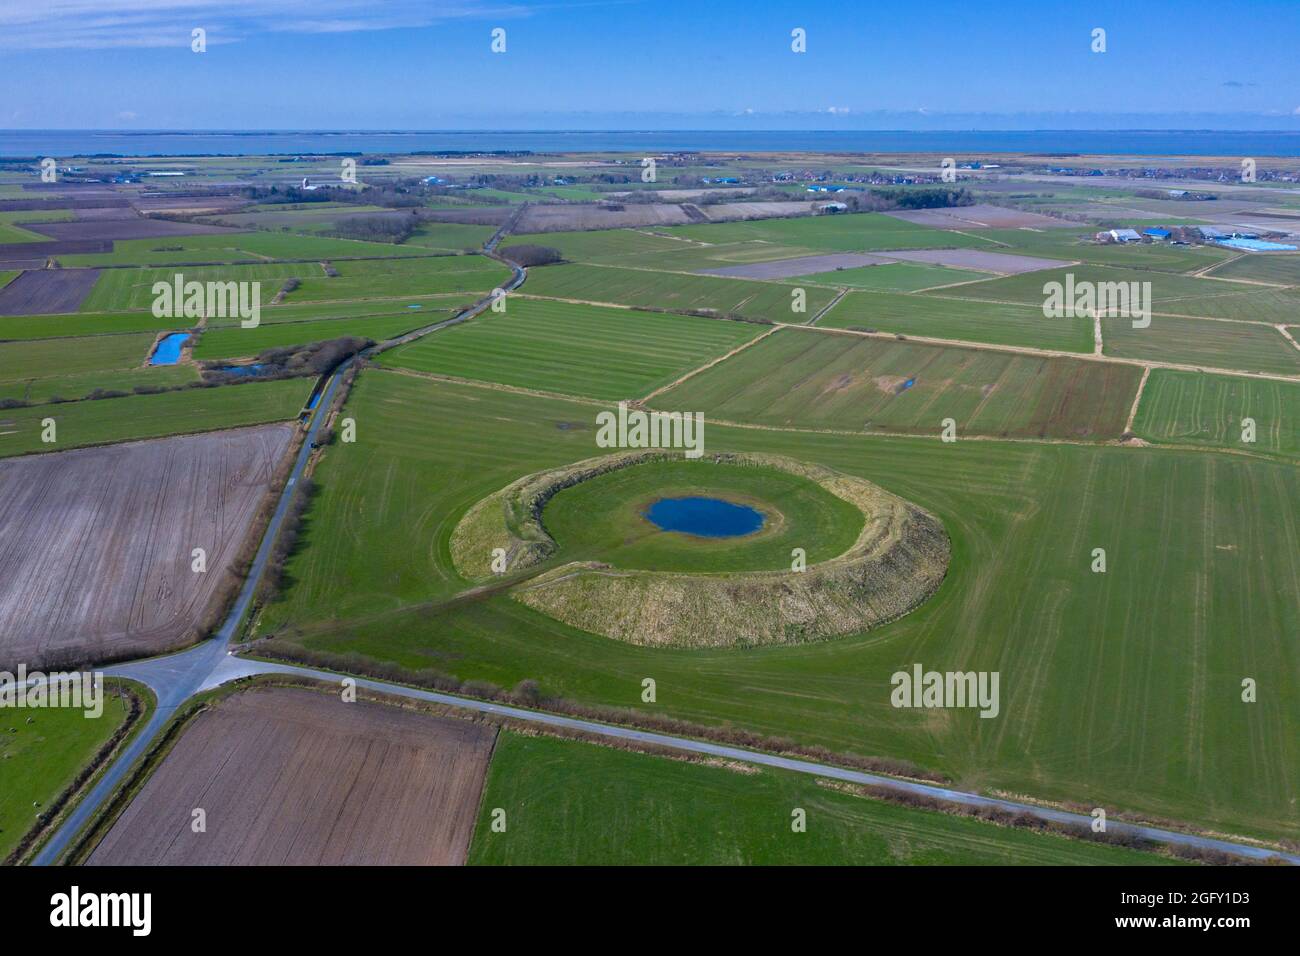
<point x="106" y="24"/>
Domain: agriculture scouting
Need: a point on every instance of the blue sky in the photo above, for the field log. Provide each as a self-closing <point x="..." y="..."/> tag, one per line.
<point x="377" y="64"/>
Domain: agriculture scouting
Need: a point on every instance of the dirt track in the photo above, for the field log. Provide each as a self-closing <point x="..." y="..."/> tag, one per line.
<point x="289" y="776"/>
<point x="98" y="541"/>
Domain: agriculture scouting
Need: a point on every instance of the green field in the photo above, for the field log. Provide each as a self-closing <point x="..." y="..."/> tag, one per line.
<point x="602" y="519"/>
<point x="234" y="247"/>
<point x="824" y="380"/>
<point x="673" y="290"/>
<point x="360" y="279"/>
<point x="11" y="232"/>
<point x="1259" y="303"/>
<point x="61" y="388"/>
<point x="1166" y="288"/>
<point x="891" y="277"/>
<point x="1173" y="295"/>
<point x="960" y="319"/>
<point x="450" y="236"/>
<point x="847" y="233"/>
<point x="1118" y="688"/>
<point x="379" y="278"/>
<point x="576" y="803"/>
<point x="1282" y="268"/>
<point x="605" y="245"/>
<point x="23" y="327"/>
<point x="573" y="349"/>
<point x="42" y="758"/>
<point x="1231" y="345"/>
<point x="50" y="357"/>
<point x="151" y="416"/>
<point x="120" y="290"/>
<point x="39" y="369"/>
<point x="1198" y="409"/>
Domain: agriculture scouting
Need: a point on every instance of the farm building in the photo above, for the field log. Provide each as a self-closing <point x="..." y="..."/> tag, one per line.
<point x="1124" y="235"/>
<point x="1156" y="233"/>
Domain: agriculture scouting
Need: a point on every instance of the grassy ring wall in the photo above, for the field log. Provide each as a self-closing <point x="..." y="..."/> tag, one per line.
<point x="898" y="560"/>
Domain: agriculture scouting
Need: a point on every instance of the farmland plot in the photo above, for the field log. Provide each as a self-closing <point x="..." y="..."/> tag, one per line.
<point x="582" y="804"/>
<point x="1198" y="409"/>
<point x="377" y="278"/>
<point x="295" y="777"/>
<point x="47" y="291"/>
<point x="99" y="542"/>
<point x="962" y="319"/>
<point x="574" y="349"/>
<point x="672" y="290"/>
<point x="892" y="277"/>
<point x="152" y="416"/>
<point x="860" y="232"/>
<point x="235" y="247"/>
<point x="1230" y="345"/>
<point x="1277" y="267"/>
<point x="821" y="380"/>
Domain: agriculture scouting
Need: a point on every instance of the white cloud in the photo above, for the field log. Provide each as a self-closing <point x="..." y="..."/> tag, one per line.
<point x="99" y="24"/>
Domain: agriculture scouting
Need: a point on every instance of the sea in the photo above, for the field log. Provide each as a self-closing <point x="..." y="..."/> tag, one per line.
<point x="1136" y="142"/>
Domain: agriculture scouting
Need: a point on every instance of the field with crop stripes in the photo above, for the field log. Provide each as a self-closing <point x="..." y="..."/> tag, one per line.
<point x="1197" y="409"/>
<point x="811" y="379"/>
<point x="152" y="416"/>
<point x="947" y="317"/>
<point x="852" y="233"/>
<point x="672" y="290"/>
<point x="574" y="349"/>
<point x="1234" y="345"/>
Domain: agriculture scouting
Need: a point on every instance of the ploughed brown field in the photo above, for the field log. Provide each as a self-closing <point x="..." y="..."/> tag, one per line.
<point x="137" y="228"/>
<point x="98" y="542"/>
<point x="47" y="291"/>
<point x="292" y="776"/>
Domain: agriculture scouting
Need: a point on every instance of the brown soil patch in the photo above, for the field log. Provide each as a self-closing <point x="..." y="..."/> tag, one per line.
<point x="47" y="291"/>
<point x="838" y="383"/>
<point x="98" y="541"/>
<point x="297" y="777"/>
<point x="137" y="228"/>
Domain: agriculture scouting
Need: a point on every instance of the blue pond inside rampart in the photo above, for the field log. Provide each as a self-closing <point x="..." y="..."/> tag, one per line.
<point x="168" y="350"/>
<point x="705" y="517"/>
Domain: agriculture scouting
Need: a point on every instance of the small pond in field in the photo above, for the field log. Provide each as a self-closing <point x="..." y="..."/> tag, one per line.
<point x="168" y="349"/>
<point x="705" y="517"/>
